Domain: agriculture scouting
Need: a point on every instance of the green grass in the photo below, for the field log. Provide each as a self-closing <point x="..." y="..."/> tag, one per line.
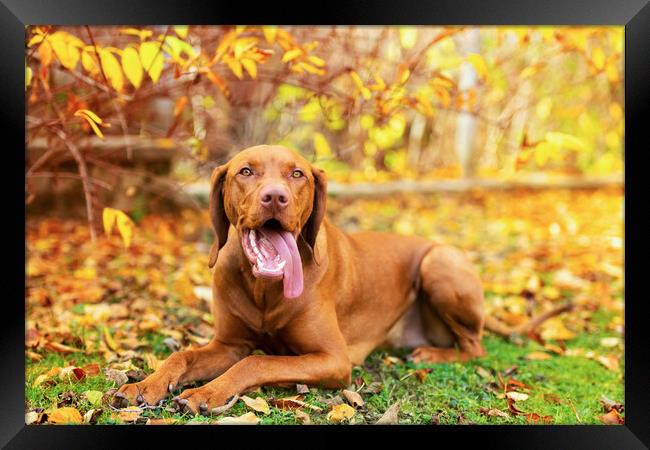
<point x="452" y="393"/>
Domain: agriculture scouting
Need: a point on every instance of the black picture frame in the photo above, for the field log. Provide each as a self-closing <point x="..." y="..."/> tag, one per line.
<point x="633" y="14"/>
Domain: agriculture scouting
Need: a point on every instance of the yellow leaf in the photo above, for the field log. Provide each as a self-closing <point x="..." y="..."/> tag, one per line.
<point x="246" y="419"/>
<point x="94" y="397"/>
<point x="89" y="62"/>
<point x="182" y="30"/>
<point x="564" y="140"/>
<point x="340" y="412"/>
<point x="538" y="356"/>
<point x="315" y="60"/>
<point x="479" y="64"/>
<point x="132" y="66"/>
<point x="45" y="53"/>
<point x="90" y="114"/>
<point x="110" y="342"/>
<point x="28" y="76"/>
<point x="321" y="146"/>
<point x="315" y="70"/>
<point x="598" y="58"/>
<point x="152" y="59"/>
<point x="408" y="36"/>
<point x="142" y="34"/>
<point x="291" y="54"/>
<point x="108" y="217"/>
<point x="64" y="415"/>
<point x="65" y="49"/>
<point x="235" y="67"/>
<point x="250" y="67"/>
<point x="270" y="34"/>
<point x="258" y="404"/>
<point x="125" y="227"/>
<point x="359" y="84"/>
<point x="92" y="120"/>
<point x="112" y="69"/>
<point x="130" y="414"/>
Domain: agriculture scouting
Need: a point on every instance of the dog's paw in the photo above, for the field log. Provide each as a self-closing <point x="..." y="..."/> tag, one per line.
<point x="203" y="400"/>
<point x="142" y="393"/>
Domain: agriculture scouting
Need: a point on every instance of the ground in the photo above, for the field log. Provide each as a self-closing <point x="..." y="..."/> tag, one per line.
<point x="98" y="315"/>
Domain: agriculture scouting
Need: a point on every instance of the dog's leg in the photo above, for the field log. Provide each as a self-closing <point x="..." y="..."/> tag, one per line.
<point x="203" y="363"/>
<point x="452" y="309"/>
<point x="315" y="369"/>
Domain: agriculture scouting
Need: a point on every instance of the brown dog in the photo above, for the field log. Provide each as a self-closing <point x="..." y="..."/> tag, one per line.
<point x="314" y="298"/>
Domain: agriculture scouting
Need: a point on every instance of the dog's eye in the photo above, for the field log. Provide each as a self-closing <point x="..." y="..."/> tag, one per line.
<point x="297" y="173"/>
<point x="246" y="172"/>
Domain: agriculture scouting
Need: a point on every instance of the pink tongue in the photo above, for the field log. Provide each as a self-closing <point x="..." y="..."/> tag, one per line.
<point x="286" y="246"/>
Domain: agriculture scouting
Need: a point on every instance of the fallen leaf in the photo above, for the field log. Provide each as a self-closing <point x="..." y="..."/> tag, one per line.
<point x="92" y="415"/>
<point x="165" y="421"/>
<point x="117" y="376"/>
<point x="302" y="389"/>
<point x="33" y="355"/>
<point x="610" y="342"/>
<point x="293" y="403"/>
<point x="353" y="398"/>
<point x="552" y="398"/>
<point x="390" y="416"/>
<point x="611" y="362"/>
<point x="422" y="374"/>
<point x="536" y="418"/>
<point x="537" y="356"/>
<point x="392" y="360"/>
<point x="91" y="369"/>
<point x="32" y="417"/>
<point x="257" y="404"/>
<point x="493" y="412"/>
<point x="340" y="413"/>
<point x="612" y="418"/>
<point x="64" y="415"/>
<point x="246" y="419"/>
<point x="302" y="417"/>
<point x="130" y="414"/>
<point x="374" y="388"/>
<point x="60" y="348"/>
<point x="517" y="396"/>
<point x="609" y="404"/>
<point x="94" y="397"/>
<point x="483" y="373"/>
<point x="336" y="400"/>
<point x="153" y="362"/>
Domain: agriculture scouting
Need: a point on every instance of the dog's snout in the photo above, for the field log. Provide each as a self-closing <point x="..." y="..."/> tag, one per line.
<point x="274" y="197"/>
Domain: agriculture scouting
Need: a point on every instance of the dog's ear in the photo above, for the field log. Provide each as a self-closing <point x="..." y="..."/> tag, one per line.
<point x="218" y="216"/>
<point x="310" y="230"/>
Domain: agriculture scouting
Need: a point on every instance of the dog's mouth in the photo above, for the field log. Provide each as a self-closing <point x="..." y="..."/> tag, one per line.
<point x="273" y="253"/>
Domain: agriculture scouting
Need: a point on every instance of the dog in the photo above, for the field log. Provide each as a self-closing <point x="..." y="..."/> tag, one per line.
<point x="315" y="299"/>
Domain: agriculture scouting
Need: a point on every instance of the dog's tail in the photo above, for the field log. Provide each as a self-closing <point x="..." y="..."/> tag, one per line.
<point x="496" y="326"/>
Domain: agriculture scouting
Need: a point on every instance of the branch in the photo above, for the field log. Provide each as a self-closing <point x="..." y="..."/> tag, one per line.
<point x="85" y="179"/>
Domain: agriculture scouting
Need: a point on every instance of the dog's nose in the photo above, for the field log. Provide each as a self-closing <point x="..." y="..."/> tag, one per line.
<point x="274" y="197"/>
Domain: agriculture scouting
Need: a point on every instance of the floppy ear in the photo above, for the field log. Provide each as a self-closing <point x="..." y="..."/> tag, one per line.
<point x="218" y="216"/>
<point x="310" y="230"/>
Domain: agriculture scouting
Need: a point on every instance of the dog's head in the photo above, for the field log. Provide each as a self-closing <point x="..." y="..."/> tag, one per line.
<point x="273" y="197"/>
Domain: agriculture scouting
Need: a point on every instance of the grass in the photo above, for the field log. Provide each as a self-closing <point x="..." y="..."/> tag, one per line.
<point x="451" y="393"/>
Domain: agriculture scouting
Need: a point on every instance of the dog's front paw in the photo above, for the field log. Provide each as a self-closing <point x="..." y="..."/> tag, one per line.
<point x="204" y="400"/>
<point x="146" y="392"/>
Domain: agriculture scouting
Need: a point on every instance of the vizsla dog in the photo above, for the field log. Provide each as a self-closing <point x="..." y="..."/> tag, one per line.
<point x="315" y="299"/>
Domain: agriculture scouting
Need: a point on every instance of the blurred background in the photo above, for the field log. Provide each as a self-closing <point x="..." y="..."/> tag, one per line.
<point x="136" y="118"/>
<point x="504" y="141"/>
